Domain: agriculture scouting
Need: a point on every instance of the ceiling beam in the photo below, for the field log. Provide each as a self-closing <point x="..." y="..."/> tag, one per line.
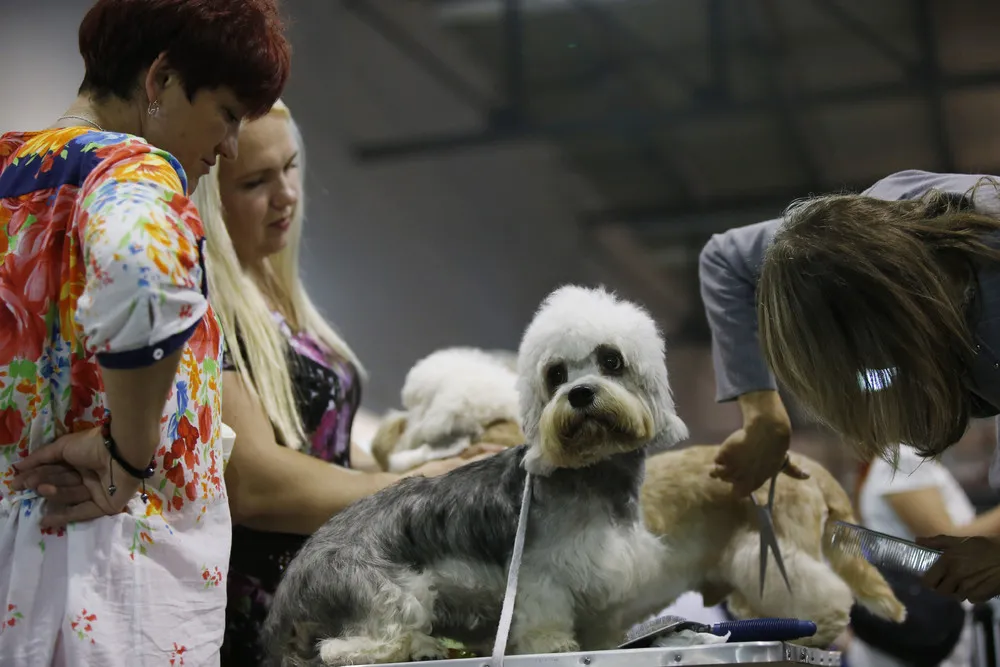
<point x="866" y="32"/>
<point x="661" y="155"/>
<point x="375" y="19"/>
<point x="630" y="122"/>
<point x="929" y="69"/>
<point x="670" y="221"/>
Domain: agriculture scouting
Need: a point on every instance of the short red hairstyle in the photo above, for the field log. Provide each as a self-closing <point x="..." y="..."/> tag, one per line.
<point x="238" y="44"/>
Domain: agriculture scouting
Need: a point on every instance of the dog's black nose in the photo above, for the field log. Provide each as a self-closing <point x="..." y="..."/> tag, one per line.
<point x="581" y="396"/>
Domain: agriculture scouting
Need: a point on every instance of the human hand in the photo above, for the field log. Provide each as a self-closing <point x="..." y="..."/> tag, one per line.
<point x="754" y="454"/>
<point x="72" y="474"/>
<point x="968" y="569"/>
<point x="438" y="467"/>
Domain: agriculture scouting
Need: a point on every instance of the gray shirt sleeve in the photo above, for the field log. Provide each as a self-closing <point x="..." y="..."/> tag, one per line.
<point x="728" y="268"/>
<point x="913" y="184"/>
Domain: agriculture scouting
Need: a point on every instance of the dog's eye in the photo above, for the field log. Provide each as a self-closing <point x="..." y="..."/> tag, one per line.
<point x="610" y="360"/>
<point x="555" y="376"/>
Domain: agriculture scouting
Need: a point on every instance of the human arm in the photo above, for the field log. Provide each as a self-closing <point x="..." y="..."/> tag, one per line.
<point x="137" y="300"/>
<point x="275" y="488"/>
<point x="361" y="459"/>
<point x="924" y="513"/>
<point x="728" y="269"/>
<point x="75" y="472"/>
<point x="729" y="266"/>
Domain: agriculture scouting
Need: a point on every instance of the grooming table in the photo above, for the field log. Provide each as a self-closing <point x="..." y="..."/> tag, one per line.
<point x="769" y="653"/>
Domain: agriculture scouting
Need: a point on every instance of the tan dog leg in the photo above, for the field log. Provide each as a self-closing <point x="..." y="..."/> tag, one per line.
<point x="818" y="594"/>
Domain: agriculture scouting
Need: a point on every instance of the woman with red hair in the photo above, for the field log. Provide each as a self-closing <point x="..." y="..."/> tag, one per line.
<point x="109" y="351"/>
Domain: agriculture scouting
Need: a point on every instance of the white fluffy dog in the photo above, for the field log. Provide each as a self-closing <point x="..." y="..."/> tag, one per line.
<point x="427" y="558"/>
<point x="452" y="399"/>
<point x="713" y="538"/>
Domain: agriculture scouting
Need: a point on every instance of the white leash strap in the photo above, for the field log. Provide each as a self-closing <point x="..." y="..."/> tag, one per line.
<point x="507" y="611"/>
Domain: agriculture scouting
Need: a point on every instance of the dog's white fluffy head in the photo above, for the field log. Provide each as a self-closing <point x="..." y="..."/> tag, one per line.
<point x="453" y="392"/>
<point x="592" y="380"/>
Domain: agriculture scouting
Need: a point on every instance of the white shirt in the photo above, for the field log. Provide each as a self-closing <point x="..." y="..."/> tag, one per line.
<point x="913" y="473"/>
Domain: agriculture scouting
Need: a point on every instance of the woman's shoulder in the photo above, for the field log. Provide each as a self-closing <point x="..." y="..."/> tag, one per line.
<point x="915" y="183"/>
<point x="50" y="159"/>
<point x="126" y="158"/>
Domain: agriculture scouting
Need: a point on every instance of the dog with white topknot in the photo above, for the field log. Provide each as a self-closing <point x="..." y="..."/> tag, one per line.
<point x="426" y="558"/>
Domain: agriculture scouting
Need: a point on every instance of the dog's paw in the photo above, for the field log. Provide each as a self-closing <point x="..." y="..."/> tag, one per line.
<point x="423" y="647"/>
<point x="889" y="608"/>
<point x="547" y="642"/>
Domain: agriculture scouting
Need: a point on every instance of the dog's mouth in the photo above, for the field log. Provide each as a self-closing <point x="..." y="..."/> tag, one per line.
<point x="585" y="421"/>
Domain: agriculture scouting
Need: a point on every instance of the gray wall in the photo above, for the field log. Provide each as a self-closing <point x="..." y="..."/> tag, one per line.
<point x="405" y="257"/>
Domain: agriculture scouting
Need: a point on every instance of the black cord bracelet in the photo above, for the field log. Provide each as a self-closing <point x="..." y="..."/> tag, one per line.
<point x="116" y="456"/>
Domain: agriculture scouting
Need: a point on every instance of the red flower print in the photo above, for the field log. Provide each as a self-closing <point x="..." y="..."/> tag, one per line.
<point x="205" y="340"/>
<point x="177" y="655"/>
<point x="11" y="143"/>
<point x="182" y="455"/>
<point x="11" y="618"/>
<point x="11" y="426"/>
<point x="205" y="421"/>
<point x="188" y="433"/>
<point x="85" y="384"/>
<point x="24" y="207"/>
<point x="29" y="280"/>
<point x="22" y="331"/>
<point x="85" y="381"/>
<point x="211" y="576"/>
<point x="83" y="625"/>
<point x="175" y="474"/>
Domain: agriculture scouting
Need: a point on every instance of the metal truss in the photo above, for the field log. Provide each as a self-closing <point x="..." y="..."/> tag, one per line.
<point x="506" y="120"/>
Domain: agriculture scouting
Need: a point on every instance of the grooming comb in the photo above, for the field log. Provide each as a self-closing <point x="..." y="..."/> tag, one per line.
<point x="881" y="550"/>
<point x="642" y="635"/>
<point x="884" y="551"/>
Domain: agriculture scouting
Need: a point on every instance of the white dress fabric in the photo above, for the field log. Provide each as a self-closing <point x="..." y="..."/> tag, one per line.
<point x="101" y="262"/>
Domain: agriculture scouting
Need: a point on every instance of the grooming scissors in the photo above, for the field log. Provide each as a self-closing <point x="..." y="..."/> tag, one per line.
<point x="768" y="538"/>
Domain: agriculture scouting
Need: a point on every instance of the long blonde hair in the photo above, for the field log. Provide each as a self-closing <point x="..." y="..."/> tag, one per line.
<point x="242" y="308"/>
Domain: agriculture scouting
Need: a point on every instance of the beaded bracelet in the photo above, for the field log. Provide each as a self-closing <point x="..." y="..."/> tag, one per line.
<point x="116" y="456"/>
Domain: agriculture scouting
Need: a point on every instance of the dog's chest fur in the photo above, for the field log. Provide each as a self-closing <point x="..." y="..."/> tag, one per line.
<point x="585" y="533"/>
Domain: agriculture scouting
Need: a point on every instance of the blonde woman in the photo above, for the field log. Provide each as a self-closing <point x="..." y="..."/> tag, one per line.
<point x="291" y="385"/>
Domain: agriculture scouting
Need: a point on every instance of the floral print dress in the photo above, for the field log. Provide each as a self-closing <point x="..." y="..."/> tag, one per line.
<point x="327" y="393"/>
<point x="101" y="262"/>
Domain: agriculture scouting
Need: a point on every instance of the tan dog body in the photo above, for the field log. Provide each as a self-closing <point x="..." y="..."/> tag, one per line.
<point x="714" y="543"/>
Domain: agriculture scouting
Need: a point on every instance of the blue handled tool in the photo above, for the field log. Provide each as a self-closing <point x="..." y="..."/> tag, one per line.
<point x="764" y="629"/>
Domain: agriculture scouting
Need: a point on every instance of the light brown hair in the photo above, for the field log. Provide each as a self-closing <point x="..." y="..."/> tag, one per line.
<point x="863" y="307"/>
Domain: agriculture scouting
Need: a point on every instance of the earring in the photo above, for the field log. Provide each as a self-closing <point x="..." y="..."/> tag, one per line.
<point x="154" y="108"/>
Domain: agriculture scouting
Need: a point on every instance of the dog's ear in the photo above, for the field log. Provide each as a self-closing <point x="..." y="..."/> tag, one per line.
<point x="531" y="409"/>
<point x="390" y="431"/>
<point x="670" y="429"/>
